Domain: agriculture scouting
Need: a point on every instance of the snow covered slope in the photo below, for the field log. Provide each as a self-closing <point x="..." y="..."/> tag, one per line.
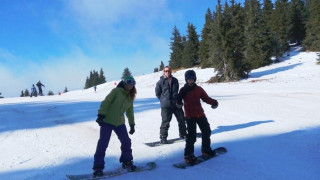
<point x="269" y="122"/>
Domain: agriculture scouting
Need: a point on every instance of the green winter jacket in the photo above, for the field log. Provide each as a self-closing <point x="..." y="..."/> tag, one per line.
<point x="114" y="105"/>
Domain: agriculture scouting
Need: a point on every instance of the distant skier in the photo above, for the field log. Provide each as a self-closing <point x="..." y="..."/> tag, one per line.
<point x="111" y="118"/>
<point x="95" y="88"/>
<point x="39" y="84"/>
<point x="33" y="91"/>
<point x="191" y="94"/>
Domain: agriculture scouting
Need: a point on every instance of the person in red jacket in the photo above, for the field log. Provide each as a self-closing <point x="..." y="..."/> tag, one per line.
<point x="191" y="94"/>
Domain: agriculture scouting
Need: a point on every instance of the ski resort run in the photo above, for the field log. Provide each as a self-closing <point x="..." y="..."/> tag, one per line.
<point x="269" y="123"/>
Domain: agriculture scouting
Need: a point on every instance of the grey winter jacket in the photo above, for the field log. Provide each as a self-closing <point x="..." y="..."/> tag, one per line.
<point x="167" y="96"/>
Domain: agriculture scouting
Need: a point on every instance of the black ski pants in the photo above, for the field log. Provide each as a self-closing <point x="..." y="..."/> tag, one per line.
<point x="166" y="114"/>
<point x="192" y="134"/>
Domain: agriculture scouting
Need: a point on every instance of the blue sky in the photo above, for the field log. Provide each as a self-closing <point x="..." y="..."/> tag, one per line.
<point x="59" y="42"/>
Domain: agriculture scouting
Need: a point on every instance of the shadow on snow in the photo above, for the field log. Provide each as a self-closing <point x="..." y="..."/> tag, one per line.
<point x="221" y="129"/>
<point x="272" y="71"/>
<point x="282" y="156"/>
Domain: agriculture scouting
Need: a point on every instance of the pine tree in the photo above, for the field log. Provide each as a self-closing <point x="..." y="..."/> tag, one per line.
<point x="236" y="67"/>
<point x="205" y="39"/>
<point x="22" y="94"/>
<point x="215" y="45"/>
<point x="126" y="72"/>
<point x="87" y="85"/>
<point x="312" y="40"/>
<point x="176" y="47"/>
<point x="102" y="78"/>
<point x="155" y="70"/>
<point x="161" y="66"/>
<point x="65" y="90"/>
<point x="258" y="41"/>
<point x="297" y="21"/>
<point x="50" y="93"/>
<point x="26" y="92"/>
<point x="190" y="51"/>
<point x="280" y="28"/>
<point x="267" y="12"/>
<point x="95" y="79"/>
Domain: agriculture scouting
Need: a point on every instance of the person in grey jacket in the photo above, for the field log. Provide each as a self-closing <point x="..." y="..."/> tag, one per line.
<point x="167" y="92"/>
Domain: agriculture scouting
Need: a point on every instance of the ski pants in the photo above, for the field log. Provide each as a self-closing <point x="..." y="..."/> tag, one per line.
<point x="192" y="134"/>
<point x="105" y="134"/>
<point x="166" y="114"/>
<point x="40" y="90"/>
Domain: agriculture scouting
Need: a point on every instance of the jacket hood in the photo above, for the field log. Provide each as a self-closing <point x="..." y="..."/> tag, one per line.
<point x="121" y="85"/>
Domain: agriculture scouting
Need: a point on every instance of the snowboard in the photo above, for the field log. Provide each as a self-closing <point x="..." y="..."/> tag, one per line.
<point x="201" y="159"/>
<point x="112" y="173"/>
<point x="170" y="141"/>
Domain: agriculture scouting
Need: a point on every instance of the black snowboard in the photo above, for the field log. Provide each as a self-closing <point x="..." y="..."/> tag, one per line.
<point x="170" y="141"/>
<point x="112" y="173"/>
<point x="184" y="165"/>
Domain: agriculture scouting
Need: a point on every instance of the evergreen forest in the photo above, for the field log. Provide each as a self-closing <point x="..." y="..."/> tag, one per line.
<point x="237" y="38"/>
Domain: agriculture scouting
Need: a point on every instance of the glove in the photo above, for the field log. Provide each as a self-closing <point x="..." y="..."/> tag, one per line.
<point x="179" y="105"/>
<point x="214" y="105"/>
<point x="100" y="119"/>
<point x="131" y="129"/>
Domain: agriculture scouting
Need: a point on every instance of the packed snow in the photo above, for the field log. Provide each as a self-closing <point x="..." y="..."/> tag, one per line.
<point x="269" y="123"/>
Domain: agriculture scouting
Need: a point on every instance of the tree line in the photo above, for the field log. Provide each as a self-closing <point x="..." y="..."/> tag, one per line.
<point x="96" y="78"/>
<point x="236" y="39"/>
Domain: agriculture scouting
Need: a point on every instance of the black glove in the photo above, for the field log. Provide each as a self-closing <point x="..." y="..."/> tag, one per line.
<point x="215" y="104"/>
<point x="100" y="119"/>
<point x="131" y="129"/>
<point x="179" y="105"/>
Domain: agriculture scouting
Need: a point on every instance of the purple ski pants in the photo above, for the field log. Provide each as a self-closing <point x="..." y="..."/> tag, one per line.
<point x="103" y="142"/>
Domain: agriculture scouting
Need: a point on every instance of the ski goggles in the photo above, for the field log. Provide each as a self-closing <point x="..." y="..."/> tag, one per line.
<point x="130" y="82"/>
<point x="191" y="77"/>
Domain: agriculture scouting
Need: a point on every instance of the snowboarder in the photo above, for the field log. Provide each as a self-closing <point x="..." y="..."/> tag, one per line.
<point x="111" y="118"/>
<point x="95" y="88"/>
<point x="191" y="94"/>
<point x="39" y="84"/>
<point x="33" y="91"/>
<point x="167" y="92"/>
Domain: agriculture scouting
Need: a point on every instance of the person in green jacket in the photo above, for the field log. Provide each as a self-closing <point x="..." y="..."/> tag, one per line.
<point x="111" y="118"/>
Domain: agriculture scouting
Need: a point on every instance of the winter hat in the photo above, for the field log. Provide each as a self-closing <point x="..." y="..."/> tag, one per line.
<point x="129" y="80"/>
<point x="190" y="74"/>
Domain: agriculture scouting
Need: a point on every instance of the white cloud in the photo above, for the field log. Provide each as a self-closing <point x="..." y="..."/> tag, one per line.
<point x="122" y="23"/>
<point x="109" y="34"/>
<point x="55" y="73"/>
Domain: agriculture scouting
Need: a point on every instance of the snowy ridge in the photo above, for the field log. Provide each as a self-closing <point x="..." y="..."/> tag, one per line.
<point x="269" y="123"/>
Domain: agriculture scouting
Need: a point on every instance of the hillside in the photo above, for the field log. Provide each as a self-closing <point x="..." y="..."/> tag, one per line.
<point x="269" y="123"/>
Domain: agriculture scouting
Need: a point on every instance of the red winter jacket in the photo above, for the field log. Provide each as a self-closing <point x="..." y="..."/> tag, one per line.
<point x="191" y="97"/>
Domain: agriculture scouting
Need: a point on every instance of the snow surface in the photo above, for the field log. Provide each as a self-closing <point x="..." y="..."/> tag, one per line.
<point x="270" y="124"/>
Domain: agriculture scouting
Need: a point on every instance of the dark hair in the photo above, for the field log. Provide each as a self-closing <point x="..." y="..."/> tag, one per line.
<point x="190" y="73"/>
<point x="167" y="67"/>
<point x="132" y="93"/>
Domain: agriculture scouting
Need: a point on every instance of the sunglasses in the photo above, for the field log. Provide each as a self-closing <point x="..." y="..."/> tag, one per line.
<point x="167" y="71"/>
<point x="191" y="77"/>
<point x="130" y="82"/>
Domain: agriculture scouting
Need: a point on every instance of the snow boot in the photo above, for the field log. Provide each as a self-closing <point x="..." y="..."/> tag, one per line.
<point x="182" y="136"/>
<point x="208" y="154"/>
<point x="97" y="172"/>
<point x="129" y="166"/>
<point x="163" y="140"/>
<point x="190" y="159"/>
